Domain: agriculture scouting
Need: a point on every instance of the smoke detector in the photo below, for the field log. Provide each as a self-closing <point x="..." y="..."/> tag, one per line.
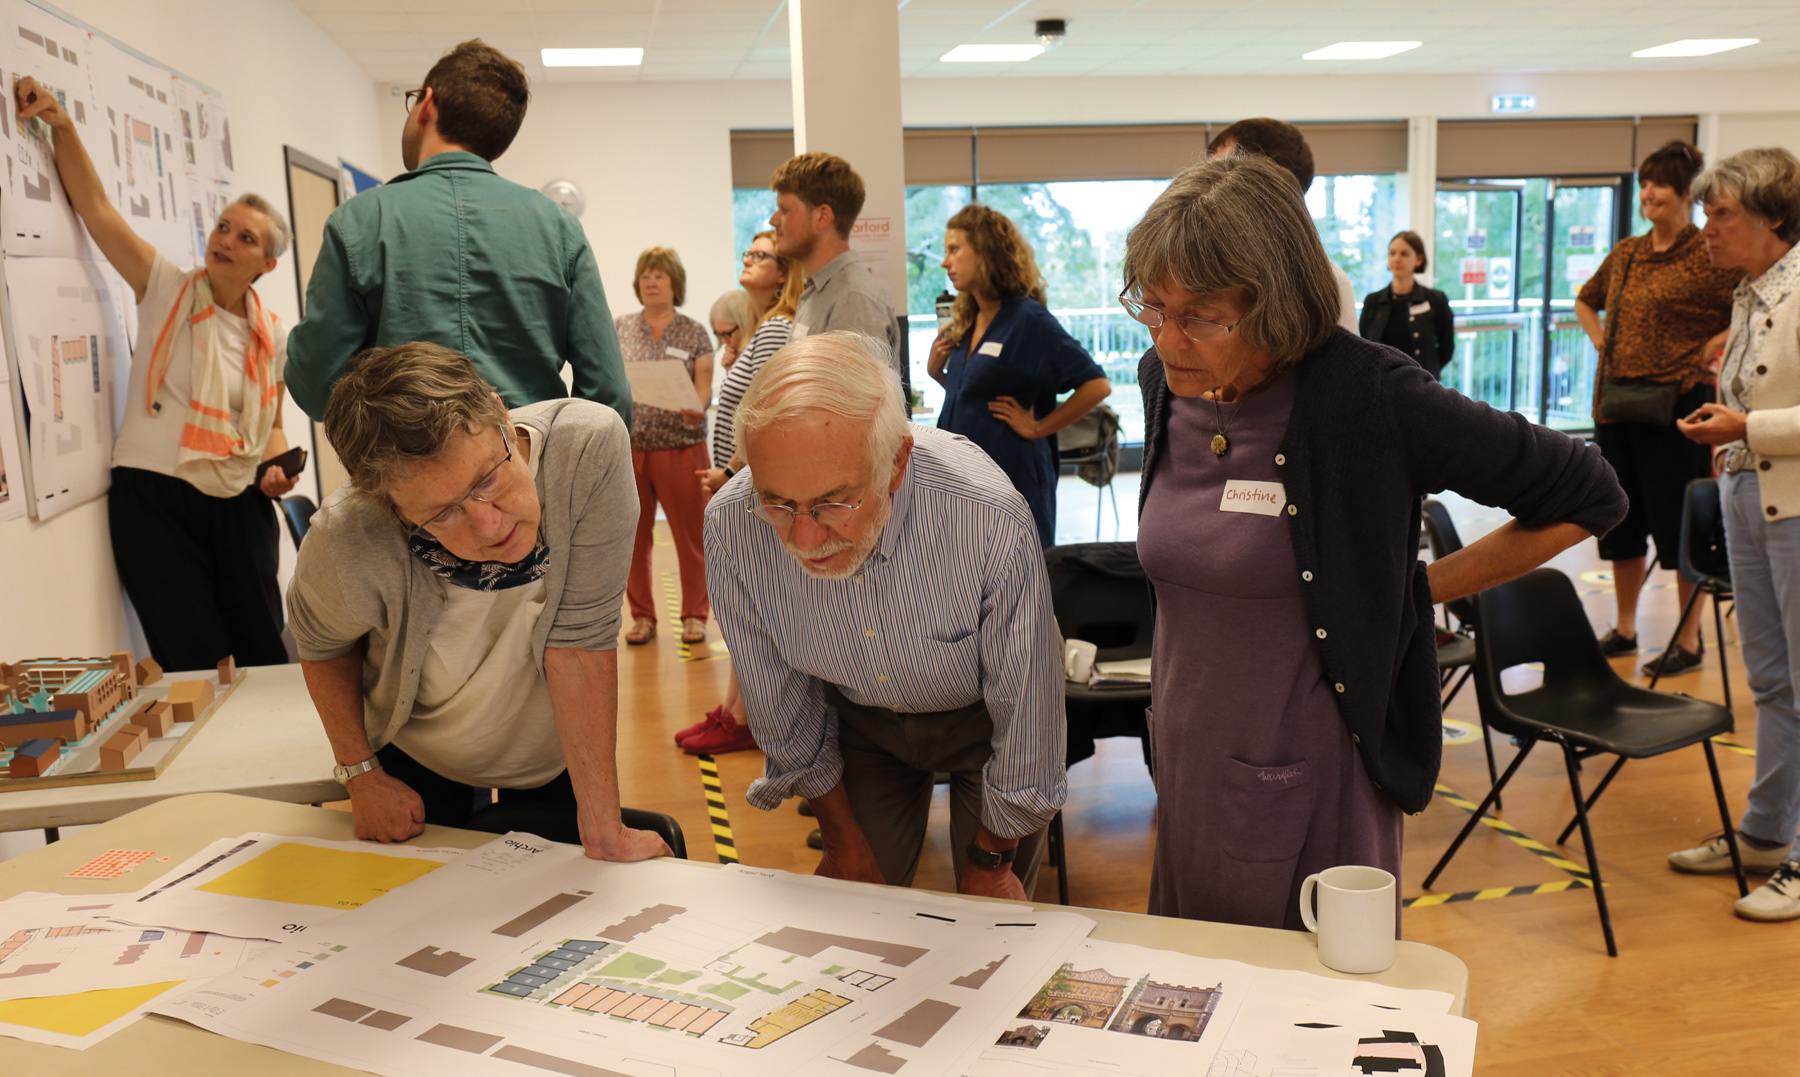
<point x="1051" y="32"/>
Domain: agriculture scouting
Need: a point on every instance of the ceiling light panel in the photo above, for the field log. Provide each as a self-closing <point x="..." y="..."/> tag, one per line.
<point x="1698" y="46"/>
<point x="593" y="57"/>
<point x="1361" y="50"/>
<point x="991" y="54"/>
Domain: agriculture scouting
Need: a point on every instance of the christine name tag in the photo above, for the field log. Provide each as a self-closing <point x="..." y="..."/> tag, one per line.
<point x="1419" y="308"/>
<point x="991" y="347"/>
<point x="1262" y="498"/>
<point x="678" y="353"/>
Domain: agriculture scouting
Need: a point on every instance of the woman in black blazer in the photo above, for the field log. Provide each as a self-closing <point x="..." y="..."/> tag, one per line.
<point x="1406" y="314"/>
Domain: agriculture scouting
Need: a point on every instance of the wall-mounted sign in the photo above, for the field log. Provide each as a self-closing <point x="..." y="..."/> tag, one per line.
<point x="1515" y="102"/>
<point x="1582" y="235"/>
<point x="1581" y="267"/>
<point x="1475" y="241"/>
<point x="1499" y="278"/>
<point x="1474" y="270"/>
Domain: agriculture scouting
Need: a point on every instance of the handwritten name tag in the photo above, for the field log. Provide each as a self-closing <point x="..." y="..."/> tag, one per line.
<point x="992" y="347"/>
<point x="801" y="329"/>
<point x="1419" y="308"/>
<point x="678" y="353"/>
<point x="1261" y="498"/>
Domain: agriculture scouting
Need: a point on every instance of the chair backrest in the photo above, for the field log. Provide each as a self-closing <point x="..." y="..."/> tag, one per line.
<point x="1440" y="531"/>
<point x="1099" y="593"/>
<point x="557" y="823"/>
<point x="1088" y="435"/>
<point x="1703" y="556"/>
<point x="1537" y="618"/>
<point x="297" y="511"/>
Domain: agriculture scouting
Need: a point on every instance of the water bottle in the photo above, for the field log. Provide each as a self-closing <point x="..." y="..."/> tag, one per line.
<point x="946" y="305"/>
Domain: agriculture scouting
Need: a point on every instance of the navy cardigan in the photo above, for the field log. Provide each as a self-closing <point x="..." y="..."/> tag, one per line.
<point x="1371" y="435"/>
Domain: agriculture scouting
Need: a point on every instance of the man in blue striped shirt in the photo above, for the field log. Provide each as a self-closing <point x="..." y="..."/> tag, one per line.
<point x="884" y="597"/>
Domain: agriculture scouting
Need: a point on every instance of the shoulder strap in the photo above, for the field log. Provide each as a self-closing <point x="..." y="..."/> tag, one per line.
<point x="1612" y="315"/>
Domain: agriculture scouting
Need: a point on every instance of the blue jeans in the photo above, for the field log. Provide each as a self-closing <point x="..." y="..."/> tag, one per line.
<point x="1765" y="580"/>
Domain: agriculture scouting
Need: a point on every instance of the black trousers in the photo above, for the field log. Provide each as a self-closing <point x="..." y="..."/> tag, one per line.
<point x="200" y="570"/>
<point x="1654" y="463"/>
<point x="451" y="803"/>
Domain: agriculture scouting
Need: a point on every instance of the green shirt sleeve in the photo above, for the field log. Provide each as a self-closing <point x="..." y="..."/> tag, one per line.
<point x="597" y="364"/>
<point x="335" y="328"/>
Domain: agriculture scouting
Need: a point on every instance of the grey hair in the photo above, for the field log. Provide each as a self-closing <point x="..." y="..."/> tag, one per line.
<point x="1239" y="222"/>
<point x="844" y="374"/>
<point x="281" y="237"/>
<point x="735" y="307"/>
<point x="1766" y="183"/>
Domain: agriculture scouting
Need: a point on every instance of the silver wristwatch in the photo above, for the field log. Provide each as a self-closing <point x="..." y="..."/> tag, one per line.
<point x="343" y="773"/>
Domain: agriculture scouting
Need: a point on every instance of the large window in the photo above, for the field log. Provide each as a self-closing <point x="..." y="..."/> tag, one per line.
<point x="751" y="208"/>
<point x="1356" y="217"/>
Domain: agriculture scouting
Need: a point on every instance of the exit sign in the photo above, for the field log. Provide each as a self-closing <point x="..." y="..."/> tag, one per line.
<point x="1515" y="102"/>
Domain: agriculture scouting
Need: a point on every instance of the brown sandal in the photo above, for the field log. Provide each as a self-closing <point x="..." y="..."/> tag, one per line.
<point x="693" y="630"/>
<point x="643" y="630"/>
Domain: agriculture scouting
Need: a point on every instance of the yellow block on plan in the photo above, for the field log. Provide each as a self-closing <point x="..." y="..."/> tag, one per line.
<point x="311" y="875"/>
<point x="82" y="1013"/>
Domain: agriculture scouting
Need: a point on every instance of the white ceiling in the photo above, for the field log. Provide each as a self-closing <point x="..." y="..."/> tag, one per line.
<point x="397" y="40"/>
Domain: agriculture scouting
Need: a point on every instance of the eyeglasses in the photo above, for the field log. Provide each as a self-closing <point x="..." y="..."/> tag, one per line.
<point x="1195" y="329"/>
<point x="758" y="257"/>
<point x="726" y="334"/>
<point x="830" y="514"/>
<point x="412" y="96"/>
<point x="489" y="488"/>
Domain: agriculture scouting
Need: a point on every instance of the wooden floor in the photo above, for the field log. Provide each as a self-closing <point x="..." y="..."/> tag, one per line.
<point x="1694" y="989"/>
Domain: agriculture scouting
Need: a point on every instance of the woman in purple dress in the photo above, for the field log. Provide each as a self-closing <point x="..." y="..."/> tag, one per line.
<point x="1295" y="712"/>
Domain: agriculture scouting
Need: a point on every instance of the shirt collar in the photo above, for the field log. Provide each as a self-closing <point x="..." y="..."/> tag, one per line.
<point x="903" y="500"/>
<point x="1779" y="280"/>
<point x="832" y="270"/>
<point x="448" y="160"/>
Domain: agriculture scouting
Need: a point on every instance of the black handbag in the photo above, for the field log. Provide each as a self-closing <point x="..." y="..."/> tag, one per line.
<point x="1632" y="400"/>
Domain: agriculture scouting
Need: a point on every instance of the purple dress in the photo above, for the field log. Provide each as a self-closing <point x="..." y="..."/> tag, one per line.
<point x="1258" y="783"/>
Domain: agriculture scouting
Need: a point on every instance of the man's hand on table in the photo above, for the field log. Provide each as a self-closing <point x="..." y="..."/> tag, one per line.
<point x="385" y="808"/>
<point x="997" y="882"/>
<point x="621" y="844"/>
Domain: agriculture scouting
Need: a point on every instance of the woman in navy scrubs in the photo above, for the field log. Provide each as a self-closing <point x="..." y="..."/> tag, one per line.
<point x="1005" y="359"/>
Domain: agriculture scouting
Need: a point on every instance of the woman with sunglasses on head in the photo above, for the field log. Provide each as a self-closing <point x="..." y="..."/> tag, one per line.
<point x="773" y="284"/>
<point x="1295" y="711"/>
<point x="456" y="607"/>
<point x="1005" y="359"/>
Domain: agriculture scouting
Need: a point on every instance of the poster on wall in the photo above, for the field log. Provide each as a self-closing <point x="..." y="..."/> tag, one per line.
<point x="35" y="216"/>
<point x="148" y="180"/>
<point x="207" y="169"/>
<point x="12" y="463"/>
<point x="66" y="341"/>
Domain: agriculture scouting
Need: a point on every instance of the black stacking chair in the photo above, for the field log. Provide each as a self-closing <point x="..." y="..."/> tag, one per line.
<point x="1099" y="593"/>
<point x="1582" y="706"/>
<point x="1705" y="564"/>
<point x="556" y="823"/>
<point x="297" y="511"/>
<point x="1456" y="656"/>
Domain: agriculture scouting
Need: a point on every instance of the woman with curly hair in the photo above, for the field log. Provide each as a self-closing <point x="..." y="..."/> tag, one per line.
<point x="1005" y="359"/>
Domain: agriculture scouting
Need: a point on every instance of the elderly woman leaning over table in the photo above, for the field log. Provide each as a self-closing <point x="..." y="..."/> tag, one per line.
<point x="456" y="606"/>
<point x="1752" y="203"/>
<point x="1295" y="711"/>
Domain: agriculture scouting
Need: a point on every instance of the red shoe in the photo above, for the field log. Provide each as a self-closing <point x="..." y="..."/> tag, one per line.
<point x="725" y="736"/>
<point x="713" y="717"/>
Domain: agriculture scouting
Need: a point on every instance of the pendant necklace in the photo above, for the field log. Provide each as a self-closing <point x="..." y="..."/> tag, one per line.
<point x="1220" y="443"/>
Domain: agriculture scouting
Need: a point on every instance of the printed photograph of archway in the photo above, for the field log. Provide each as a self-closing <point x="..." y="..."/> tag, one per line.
<point x="1095" y="998"/>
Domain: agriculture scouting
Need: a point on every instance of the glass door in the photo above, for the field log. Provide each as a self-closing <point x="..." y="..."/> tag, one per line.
<point x="1478" y="231"/>
<point x="1581" y="224"/>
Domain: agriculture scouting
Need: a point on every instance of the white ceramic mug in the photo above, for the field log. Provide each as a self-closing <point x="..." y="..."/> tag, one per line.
<point x="1355" y="923"/>
<point x="1078" y="660"/>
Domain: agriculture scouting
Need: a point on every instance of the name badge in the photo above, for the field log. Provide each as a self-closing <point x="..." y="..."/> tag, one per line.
<point x="800" y="329"/>
<point x="991" y="347"/>
<point x="678" y="353"/>
<point x="1261" y="498"/>
<point x="1419" y="308"/>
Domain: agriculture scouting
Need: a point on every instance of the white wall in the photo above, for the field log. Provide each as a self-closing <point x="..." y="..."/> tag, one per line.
<point x="1747" y="130"/>
<point x="284" y="82"/>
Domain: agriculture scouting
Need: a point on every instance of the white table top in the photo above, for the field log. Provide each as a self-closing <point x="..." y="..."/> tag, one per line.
<point x="265" y="740"/>
<point x="157" y="1046"/>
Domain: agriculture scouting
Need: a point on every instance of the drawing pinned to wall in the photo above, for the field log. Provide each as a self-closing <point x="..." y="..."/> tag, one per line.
<point x="66" y="340"/>
<point x="149" y="183"/>
<point x="35" y="217"/>
<point x="12" y="463"/>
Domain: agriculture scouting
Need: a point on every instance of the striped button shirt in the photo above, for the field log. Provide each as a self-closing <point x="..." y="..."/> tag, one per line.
<point x="952" y="607"/>
<point x="770" y="337"/>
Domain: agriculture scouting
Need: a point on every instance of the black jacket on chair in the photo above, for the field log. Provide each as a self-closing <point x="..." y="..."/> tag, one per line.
<point x="1433" y="330"/>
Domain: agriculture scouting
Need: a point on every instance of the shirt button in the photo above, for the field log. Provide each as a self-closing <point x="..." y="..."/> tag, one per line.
<point x="1340" y="687"/>
<point x="1293" y="510"/>
<point x="1307" y="576"/>
<point x="870" y="633"/>
<point x="1354" y="739"/>
<point x="1280" y="459"/>
<point x="1319" y="633"/>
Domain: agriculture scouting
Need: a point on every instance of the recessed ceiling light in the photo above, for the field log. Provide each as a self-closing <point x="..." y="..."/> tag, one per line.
<point x="1698" y="46"/>
<point x="593" y="57"/>
<point x="1361" y="50"/>
<point x="991" y="54"/>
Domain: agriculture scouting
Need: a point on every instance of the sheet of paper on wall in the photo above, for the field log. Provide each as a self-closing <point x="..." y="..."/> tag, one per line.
<point x="267" y="887"/>
<point x="206" y="160"/>
<point x="663" y="384"/>
<point x="13" y="464"/>
<point x="66" y="340"/>
<point x="54" y="944"/>
<point x="1137" y="1012"/>
<point x="527" y="952"/>
<point x="35" y="215"/>
<point x="148" y="179"/>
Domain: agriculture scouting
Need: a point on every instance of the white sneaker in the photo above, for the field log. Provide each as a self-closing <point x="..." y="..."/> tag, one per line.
<point x="1714" y="858"/>
<point x="1777" y="899"/>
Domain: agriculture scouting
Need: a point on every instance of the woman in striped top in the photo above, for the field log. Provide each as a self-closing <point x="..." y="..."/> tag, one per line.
<point x="774" y="284"/>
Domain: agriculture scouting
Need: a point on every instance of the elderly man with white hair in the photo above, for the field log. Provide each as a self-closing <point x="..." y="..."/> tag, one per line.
<point x="883" y="593"/>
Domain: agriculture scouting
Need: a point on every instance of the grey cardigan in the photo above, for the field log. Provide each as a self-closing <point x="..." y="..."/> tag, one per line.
<point x="356" y="579"/>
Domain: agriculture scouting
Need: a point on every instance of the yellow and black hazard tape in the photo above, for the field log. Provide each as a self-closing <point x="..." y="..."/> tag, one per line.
<point x="683" y="648"/>
<point x="1734" y="746"/>
<point x="1496" y="892"/>
<point x="1579" y="878"/>
<point x="723" y="843"/>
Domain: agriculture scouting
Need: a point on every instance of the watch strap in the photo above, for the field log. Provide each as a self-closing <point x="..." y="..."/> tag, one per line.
<point x="343" y="774"/>
<point x="985" y="858"/>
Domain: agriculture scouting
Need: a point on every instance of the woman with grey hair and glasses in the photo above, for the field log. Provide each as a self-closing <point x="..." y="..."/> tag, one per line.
<point x="1752" y="203"/>
<point x="456" y="607"/>
<point x="1295" y="709"/>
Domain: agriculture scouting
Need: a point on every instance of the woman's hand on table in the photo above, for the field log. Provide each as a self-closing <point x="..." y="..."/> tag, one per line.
<point x="1714" y="424"/>
<point x="276" y="484"/>
<point x="385" y="808"/>
<point x="1008" y="411"/>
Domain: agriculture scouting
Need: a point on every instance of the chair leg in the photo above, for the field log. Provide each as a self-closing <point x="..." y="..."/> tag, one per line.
<point x="1724" y="663"/>
<point x="1587" y="841"/>
<point x="1059" y="857"/>
<point x="1099" y="506"/>
<point x="1731" y="842"/>
<point x="1115" y="504"/>
<point x="1487" y="743"/>
<point x="1562" y="839"/>
<point x="1675" y="636"/>
<point x="1468" y="671"/>
<point x="1475" y="817"/>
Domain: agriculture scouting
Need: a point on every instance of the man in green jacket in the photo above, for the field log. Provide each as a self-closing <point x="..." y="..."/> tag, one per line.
<point x="452" y="254"/>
